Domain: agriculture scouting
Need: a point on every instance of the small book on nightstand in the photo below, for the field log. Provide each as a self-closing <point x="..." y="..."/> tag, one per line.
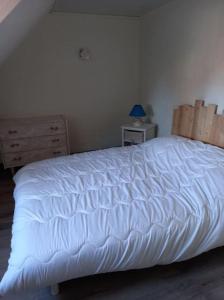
<point x="133" y="135"/>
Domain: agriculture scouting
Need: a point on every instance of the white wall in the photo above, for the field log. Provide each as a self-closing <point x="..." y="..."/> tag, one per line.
<point x="182" y="57"/>
<point x="45" y="76"/>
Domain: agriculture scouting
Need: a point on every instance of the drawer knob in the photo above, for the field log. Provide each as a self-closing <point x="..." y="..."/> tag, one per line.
<point x="56" y="152"/>
<point x="12" y="131"/>
<point x="19" y="158"/>
<point x="54" y="128"/>
<point x="14" y="145"/>
<point x="55" y="140"/>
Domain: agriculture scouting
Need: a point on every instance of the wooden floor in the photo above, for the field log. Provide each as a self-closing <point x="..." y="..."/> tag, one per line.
<point x="199" y="278"/>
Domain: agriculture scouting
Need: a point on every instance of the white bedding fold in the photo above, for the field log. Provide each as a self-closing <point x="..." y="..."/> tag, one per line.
<point x="114" y="210"/>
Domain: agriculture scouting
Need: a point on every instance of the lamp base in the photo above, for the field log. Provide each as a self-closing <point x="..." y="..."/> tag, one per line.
<point x="137" y="123"/>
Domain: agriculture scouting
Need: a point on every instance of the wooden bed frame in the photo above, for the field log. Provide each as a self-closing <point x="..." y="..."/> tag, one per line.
<point x="200" y="123"/>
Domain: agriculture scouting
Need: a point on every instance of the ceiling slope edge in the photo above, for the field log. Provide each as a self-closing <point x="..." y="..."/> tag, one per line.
<point x="17" y="20"/>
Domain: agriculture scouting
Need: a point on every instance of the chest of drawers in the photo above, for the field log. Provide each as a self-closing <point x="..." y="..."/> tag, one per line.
<point x="25" y="140"/>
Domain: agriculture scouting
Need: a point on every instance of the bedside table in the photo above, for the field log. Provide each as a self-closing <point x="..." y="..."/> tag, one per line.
<point x="132" y="135"/>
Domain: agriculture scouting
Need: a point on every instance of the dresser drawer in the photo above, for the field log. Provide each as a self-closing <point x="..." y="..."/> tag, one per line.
<point x="26" y="129"/>
<point x="133" y="136"/>
<point x="27" y="139"/>
<point x="26" y="144"/>
<point x="22" y="158"/>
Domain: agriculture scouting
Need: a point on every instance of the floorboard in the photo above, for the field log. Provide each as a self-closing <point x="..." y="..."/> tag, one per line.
<point x="201" y="278"/>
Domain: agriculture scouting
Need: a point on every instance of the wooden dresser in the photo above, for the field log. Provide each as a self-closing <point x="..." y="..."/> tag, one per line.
<point x="25" y="140"/>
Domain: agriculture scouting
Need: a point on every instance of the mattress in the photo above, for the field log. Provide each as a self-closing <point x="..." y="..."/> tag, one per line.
<point x="115" y="210"/>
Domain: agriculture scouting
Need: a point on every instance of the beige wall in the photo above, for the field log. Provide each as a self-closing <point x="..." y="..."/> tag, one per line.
<point x="183" y="57"/>
<point x="44" y="75"/>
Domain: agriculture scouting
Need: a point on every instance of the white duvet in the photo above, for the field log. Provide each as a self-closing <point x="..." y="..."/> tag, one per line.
<point x="116" y="209"/>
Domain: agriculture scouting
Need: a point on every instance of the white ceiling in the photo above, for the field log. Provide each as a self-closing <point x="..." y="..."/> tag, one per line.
<point x="108" y="7"/>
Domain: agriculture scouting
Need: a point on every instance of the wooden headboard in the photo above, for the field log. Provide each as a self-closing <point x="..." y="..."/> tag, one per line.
<point x="200" y="123"/>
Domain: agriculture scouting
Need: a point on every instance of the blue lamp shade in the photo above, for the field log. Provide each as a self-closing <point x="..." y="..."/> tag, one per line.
<point x="137" y="111"/>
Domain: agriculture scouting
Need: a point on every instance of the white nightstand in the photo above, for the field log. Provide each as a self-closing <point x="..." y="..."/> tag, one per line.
<point x="132" y="135"/>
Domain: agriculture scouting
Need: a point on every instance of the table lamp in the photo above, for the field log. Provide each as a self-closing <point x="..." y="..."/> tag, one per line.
<point x="137" y="113"/>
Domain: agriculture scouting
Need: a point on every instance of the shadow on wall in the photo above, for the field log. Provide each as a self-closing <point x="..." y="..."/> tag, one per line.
<point x="149" y="113"/>
<point x="184" y="57"/>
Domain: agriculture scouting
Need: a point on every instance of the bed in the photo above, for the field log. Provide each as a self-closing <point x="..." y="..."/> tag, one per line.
<point x="118" y="209"/>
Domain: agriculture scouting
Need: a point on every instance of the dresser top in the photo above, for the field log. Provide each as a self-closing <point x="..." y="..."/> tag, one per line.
<point x="29" y="119"/>
<point x="143" y="127"/>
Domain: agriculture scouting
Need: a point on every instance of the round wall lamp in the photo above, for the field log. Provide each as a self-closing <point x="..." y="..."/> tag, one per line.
<point x="84" y="54"/>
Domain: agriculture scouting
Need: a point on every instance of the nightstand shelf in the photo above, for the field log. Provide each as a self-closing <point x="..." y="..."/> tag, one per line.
<point x="132" y="135"/>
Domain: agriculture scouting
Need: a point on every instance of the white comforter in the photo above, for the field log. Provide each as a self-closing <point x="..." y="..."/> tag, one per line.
<point x="115" y="209"/>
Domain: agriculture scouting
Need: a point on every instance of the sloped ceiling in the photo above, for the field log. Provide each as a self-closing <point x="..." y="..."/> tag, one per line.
<point x="6" y="6"/>
<point x="109" y="7"/>
<point x="17" y="17"/>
